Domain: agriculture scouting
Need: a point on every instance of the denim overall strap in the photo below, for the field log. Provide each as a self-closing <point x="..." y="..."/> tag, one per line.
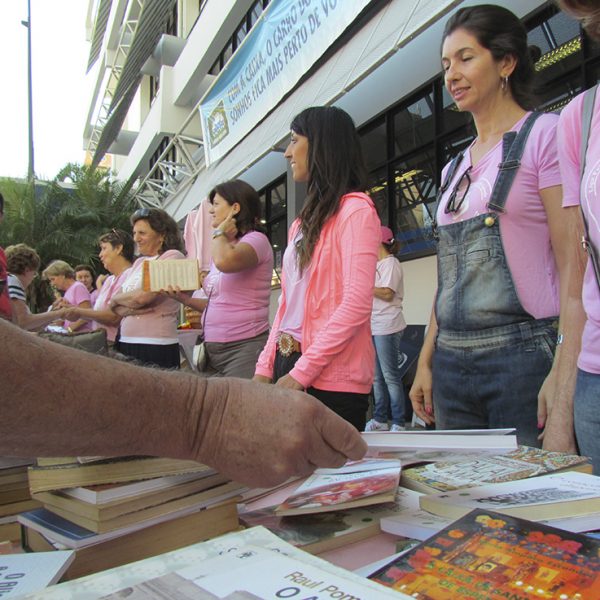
<point x="513" y="144"/>
<point x="476" y="290"/>
<point x="447" y="180"/>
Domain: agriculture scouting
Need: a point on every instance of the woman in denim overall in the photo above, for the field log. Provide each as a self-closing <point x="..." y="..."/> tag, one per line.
<point x="485" y="356"/>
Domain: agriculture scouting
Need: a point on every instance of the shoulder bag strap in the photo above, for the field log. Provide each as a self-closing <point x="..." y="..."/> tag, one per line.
<point x="586" y="125"/>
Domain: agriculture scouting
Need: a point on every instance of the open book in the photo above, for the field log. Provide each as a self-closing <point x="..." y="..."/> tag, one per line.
<point x="160" y="274"/>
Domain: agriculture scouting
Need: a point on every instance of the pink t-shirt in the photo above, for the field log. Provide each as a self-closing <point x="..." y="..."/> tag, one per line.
<point x="159" y="325"/>
<point x="296" y="284"/>
<point x="238" y="307"/>
<point x="387" y="317"/>
<point x="524" y="227"/>
<point x="112" y="285"/>
<point x="569" y="140"/>
<point x="75" y="295"/>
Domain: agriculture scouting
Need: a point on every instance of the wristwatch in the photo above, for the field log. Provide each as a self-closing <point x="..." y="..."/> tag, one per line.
<point x="217" y="233"/>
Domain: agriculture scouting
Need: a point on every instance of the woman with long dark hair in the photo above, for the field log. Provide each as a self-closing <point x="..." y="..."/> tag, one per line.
<point x="502" y="241"/>
<point x="321" y="338"/>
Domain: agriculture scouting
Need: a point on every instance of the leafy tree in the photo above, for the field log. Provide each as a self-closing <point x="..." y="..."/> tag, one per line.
<point x="63" y="218"/>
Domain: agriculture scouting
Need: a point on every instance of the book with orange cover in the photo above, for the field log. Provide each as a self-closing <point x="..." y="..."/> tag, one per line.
<point x="486" y="555"/>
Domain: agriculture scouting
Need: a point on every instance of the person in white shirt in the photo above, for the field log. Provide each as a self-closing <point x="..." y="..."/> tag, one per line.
<point x="387" y="327"/>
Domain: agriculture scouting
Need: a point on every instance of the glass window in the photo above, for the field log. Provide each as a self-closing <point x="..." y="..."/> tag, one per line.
<point x="378" y="190"/>
<point x="414" y="125"/>
<point x="374" y="144"/>
<point x="255" y="12"/>
<point x="278" y="201"/>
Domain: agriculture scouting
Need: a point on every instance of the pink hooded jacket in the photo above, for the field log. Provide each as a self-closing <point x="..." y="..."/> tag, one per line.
<point x="337" y="348"/>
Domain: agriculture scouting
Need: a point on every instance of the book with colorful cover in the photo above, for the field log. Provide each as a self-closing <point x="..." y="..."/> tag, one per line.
<point x="323" y="531"/>
<point x="553" y="496"/>
<point x="486" y="555"/>
<point x="521" y="463"/>
<point x="22" y="574"/>
<point x="351" y="486"/>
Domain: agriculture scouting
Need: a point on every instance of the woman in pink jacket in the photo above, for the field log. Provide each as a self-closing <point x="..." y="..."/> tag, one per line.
<point x="321" y="337"/>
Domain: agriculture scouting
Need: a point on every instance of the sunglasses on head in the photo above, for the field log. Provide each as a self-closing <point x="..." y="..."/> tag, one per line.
<point x="142" y="213"/>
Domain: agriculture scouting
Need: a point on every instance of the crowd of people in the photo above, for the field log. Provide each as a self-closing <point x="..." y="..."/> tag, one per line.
<point x="514" y="333"/>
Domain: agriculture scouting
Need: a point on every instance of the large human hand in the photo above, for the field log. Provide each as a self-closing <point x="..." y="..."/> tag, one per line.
<point x="262" y="435"/>
<point x="421" y="395"/>
<point x="287" y="381"/>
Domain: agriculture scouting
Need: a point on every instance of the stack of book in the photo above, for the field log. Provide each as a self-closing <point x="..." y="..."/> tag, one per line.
<point x="14" y="496"/>
<point x="113" y="511"/>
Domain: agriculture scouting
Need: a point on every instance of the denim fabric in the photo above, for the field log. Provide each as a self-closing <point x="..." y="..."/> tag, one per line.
<point x="388" y="391"/>
<point x="493" y="379"/>
<point x="587" y="416"/>
<point x="491" y="356"/>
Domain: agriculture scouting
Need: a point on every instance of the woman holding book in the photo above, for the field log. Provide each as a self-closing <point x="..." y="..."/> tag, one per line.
<point x="321" y="337"/>
<point x="502" y="241"/>
<point x="116" y="255"/>
<point x="149" y="324"/>
<point x="578" y="417"/>
<point x="235" y="293"/>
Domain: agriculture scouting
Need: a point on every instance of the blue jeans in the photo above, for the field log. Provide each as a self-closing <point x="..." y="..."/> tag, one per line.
<point x="587" y="416"/>
<point x="492" y="381"/>
<point x="387" y="386"/>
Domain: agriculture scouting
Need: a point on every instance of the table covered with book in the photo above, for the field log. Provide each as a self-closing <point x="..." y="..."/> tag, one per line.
<point x="426" y="515"/>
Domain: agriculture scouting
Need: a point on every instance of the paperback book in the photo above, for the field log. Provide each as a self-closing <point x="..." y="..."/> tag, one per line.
<point x="323" y="531"/>
<point x="540" y="498"/>
<point x="112" y="470"/>
<point x="375" y="483"/>
<point x="521" y="463"/>
<point x="486" y="555"/>
<point x="22" y="574"/>
<point x="127" y="578"/>
<point x="412" y="447"/>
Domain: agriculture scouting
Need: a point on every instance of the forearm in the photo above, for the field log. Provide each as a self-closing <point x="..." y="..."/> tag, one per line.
<point x="426" y="354"/>
<point x="91" y="409"/>
<point x="136" y="299"/>
<point x="384" y="293"/>
<point x="35" y="322"/>
<point x="104" y="317"/>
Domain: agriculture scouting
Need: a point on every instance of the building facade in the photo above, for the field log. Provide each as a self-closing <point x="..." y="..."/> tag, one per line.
<point x="159" y="63"/>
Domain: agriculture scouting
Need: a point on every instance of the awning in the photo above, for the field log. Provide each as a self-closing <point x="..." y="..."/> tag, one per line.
<point x="99" y="31"/>
<point x="151" y="25"/>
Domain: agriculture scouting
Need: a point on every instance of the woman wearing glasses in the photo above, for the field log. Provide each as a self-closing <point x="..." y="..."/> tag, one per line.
<point x="579" y="155"/>
<point x="149" y="326"/>
<point x="502" y="240"/>
<point x="321" y="337"/>
<point x="235" y="293"/>
<point x="116" y="254"/>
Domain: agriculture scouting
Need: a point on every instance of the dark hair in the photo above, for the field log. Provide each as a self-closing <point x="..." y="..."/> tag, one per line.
<point x="161" y="222"/>
<point x="21" y="258"/>
<point x="392" y="247"/>
<point x="84" y="268"/>
<point x="118" y="237"/>
<point x="236" y="190"/>
<point x="335" y="167"/>
<point x="586" y="11"/>
<point x="502" y="33"/>
<point x="1" y="204"/>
